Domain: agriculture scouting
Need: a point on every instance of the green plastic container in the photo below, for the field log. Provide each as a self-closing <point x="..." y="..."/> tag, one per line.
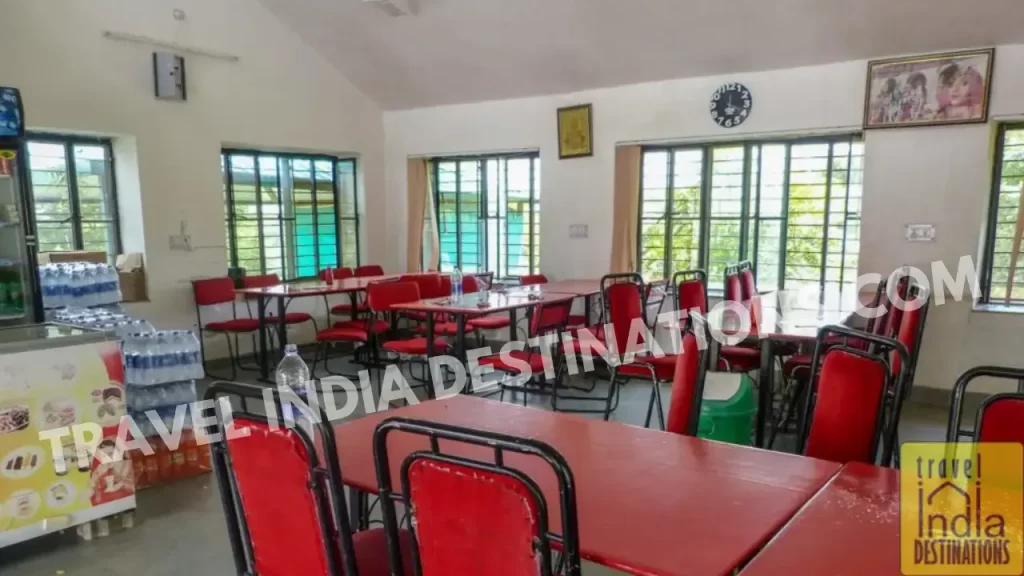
<point x="727" y="411"/>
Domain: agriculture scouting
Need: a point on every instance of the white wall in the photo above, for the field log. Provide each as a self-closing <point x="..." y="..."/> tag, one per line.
<point x="939" y="176"/>
<point x="280" y="95"/>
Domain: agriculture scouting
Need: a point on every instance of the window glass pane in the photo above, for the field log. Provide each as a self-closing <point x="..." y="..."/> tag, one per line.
<point x="489" y="214"/>
<point x="291" y="226"/>
<point x="93" y="216"/>
<point x="726" y="210"/>
<point x="1008" y="190"/>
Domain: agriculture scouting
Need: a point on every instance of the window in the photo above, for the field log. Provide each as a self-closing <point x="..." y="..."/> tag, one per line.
<point x="73" y="194"/>
<point x="488" y="213"/>
<point x="791" y="207"/>
<point x="304" y="217"/>
<point x="1004" y="218"/>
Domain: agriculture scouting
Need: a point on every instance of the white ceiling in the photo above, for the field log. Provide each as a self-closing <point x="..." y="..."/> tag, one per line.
<point x="457" y="51"/>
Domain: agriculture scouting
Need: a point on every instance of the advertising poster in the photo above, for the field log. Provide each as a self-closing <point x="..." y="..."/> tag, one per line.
<point x="50" y="389"/>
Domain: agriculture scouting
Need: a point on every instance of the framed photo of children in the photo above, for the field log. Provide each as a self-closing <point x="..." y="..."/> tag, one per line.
<point x="575" y="131"/>
<point x="929" y="90"/>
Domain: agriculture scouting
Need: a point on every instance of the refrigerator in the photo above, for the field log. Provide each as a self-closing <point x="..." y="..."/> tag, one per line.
<point x="20" y="297"/>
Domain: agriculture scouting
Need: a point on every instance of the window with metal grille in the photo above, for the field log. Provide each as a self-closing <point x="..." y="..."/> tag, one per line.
<point x="791" y="207"/>
<point x="488" y="213"/>
<point x="290" y="215"/>
<point x="73" y="194"/>
<point x="1003" y="274"/>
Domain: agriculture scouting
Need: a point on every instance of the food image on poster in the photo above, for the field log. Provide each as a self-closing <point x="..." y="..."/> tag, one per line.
<point x="21" y="463"/>
<point x="60" y="495"/>
<point x="58" y="413"/>
<point x="23" y="504"/>
<point x="111" y="405"/>
<point x="13" y="418"/>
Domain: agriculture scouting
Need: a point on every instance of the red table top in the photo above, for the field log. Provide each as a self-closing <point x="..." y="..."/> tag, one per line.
<point x="649" y="502"/>
<point x="315" y="288"/>
<point x="851" y="528"/>
<point x="496" y="302"/>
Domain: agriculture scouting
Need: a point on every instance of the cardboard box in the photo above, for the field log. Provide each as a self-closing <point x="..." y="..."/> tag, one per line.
<point x="80" y="256"/>
<point x="132" y="275"/>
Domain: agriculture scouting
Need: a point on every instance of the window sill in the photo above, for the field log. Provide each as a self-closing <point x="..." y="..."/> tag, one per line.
<point x="999" y="308"/>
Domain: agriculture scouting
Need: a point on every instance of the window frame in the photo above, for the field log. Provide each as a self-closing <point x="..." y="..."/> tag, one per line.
<point x="750" y="224"/>
<point x="227" y="177"/>
<point x="992" y="219"/>
<point x="69" y="141"/>
<point x="533" y="263"/>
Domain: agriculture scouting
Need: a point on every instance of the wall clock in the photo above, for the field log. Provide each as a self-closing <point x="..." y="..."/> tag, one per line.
<point x="731" y="105"/>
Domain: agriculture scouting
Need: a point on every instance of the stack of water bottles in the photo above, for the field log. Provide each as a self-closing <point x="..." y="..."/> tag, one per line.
<point x="79" y="285"/>
<point x="162" y="357"/>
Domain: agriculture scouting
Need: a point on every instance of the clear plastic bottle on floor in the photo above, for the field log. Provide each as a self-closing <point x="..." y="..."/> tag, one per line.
<point x="293" y="373"/>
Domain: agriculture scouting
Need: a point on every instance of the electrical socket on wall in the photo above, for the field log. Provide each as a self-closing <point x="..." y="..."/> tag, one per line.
<point x="920" y="233"/>
<point x="579" y="231"/>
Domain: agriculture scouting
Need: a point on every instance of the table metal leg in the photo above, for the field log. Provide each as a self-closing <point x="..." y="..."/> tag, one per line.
<point x="261" y="312"/>
<point x="282" y="326"/>
<point x="430" y="354"/>
<point x="765" y="385"/>
<point x="586" y="310"/>
<point x="513" y="334"/>
<point x="714" y="351"/>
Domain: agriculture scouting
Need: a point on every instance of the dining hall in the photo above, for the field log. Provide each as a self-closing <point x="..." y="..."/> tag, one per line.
<point x="511" y="287"/>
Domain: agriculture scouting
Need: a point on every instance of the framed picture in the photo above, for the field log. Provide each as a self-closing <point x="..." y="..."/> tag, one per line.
<point x="929" y="90"/>
<point x="575" y="131"/>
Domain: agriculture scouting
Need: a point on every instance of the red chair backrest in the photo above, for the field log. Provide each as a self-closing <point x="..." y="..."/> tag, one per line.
<point x="445" y="287"/>
<point x="470" y="285"/>
<point x="687" y="389"/>
<point x="533" y="279"/>
<point x="429" y="284"/>
<point x="213" y="291"/>
<point x="338" y="273"/>
<point x="845" y="422"/>
<point x="748" y="285"/>
<point x="625" y="306"/>
<point x="894" y="318"/>
<point x="472" y="521"/>
<point x="369" y="270"/>
<point x="272" y="473"/>
<point x="550" y="318"/>
<point x="1000" y="418"/>
<point x="693" y="294"/>
<point x="261" y="281"/>
<point x="733" y="288"/>
<point x="381" y="296"/>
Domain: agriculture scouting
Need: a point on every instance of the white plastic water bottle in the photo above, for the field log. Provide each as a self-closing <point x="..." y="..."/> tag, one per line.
<point x="457" y="284"/>
<point x="293" y="373"/>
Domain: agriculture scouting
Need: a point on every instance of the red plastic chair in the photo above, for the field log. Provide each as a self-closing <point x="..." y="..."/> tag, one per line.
<point x="337" y="274"/>
<point x="363" y="333"/>
<point x="911" y="330"/>
<point x="687" y="387"/>
<point x="281" y="492"/>
<point x="213" y="292"/>
<point x="854" y="401"/>
<point x="998" y="423"/>
<point x="369" y="270"/>
<point x="479" y="322"/>
<point x="546" y="319"/>
<point x="733" y="284"/>
<point x="692" y="294"/>
<point x="475" y="517"/>
<point x="748" y="283"/>
<point x="382" y="297"/>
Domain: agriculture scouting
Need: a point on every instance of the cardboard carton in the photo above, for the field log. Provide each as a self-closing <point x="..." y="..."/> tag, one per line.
<point x="132" y="275"/>
<point x="77" y="256"/>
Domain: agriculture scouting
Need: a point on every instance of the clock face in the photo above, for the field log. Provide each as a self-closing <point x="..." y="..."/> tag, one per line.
<point x="731" y="105"/>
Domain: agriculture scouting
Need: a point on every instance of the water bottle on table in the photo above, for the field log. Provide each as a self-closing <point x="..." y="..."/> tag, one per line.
<point x="457" y="284"/>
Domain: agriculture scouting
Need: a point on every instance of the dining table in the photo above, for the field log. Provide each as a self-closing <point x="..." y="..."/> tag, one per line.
<point x="850" y="528"/>
<point x="648" y="502"/>
<point x="285" y="292"/>
<point x="464" y="307"/>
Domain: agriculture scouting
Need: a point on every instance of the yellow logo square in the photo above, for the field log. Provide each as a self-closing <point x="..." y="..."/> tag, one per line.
<point x="961" y="509"/>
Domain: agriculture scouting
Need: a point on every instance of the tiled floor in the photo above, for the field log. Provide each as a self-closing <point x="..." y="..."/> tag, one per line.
<point x="180" y="528"/>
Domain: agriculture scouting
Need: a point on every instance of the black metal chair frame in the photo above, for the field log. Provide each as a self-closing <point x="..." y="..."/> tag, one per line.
<point x="327" y="480"/>
<point x="880" y="346"/>
<point x="537" y="383"/>
<point x="956" y="407"/>
<point x="500" y="443"/>
<point x="234" y="358"/>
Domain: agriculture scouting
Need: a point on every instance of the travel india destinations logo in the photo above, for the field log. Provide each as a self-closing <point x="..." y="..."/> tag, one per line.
<point x="961" y="509"/>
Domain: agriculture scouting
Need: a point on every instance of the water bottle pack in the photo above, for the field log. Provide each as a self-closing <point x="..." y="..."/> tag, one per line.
<point x="79" y="284"/>
<point x="164" y="415"/>
<point x="161" y="357"/>
<point x="145" y="398"/>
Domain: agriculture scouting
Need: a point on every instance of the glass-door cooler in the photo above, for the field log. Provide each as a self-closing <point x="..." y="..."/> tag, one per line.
<point x="19" y="286"/>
